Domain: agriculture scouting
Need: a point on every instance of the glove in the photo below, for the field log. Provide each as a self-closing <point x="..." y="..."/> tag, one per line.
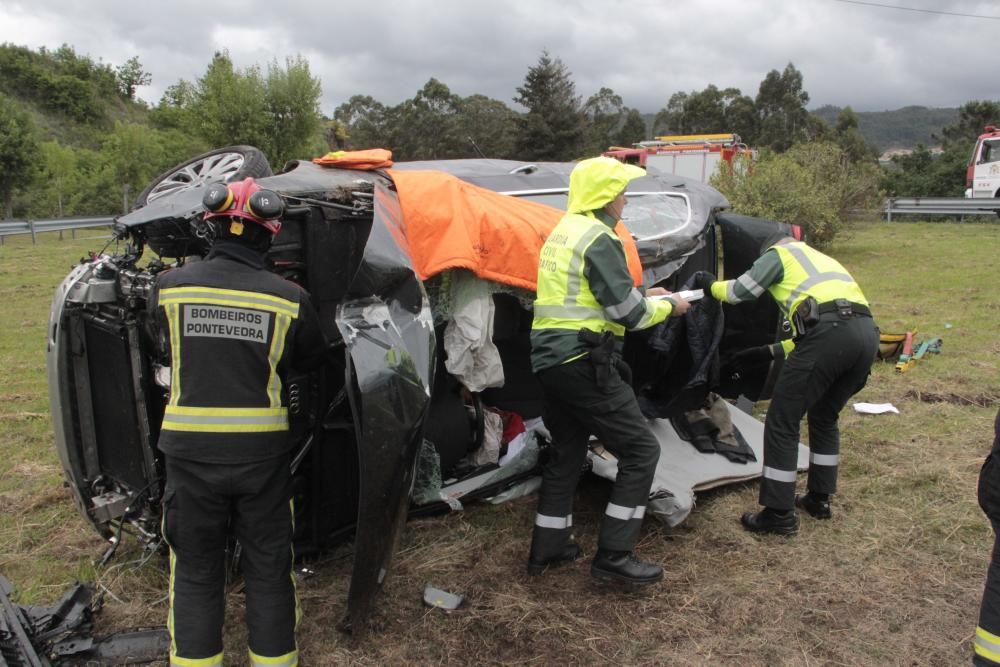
<point x="755" y="356"/>
<point x="703" y="280"/>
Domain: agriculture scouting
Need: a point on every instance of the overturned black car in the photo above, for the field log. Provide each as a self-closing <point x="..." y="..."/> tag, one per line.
<point x="389" y="393"/>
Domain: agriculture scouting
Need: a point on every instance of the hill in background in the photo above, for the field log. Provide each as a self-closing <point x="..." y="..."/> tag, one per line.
<point x="901" y="128"/>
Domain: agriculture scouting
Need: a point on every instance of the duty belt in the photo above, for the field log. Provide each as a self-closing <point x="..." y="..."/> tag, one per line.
<point x="844" y="308"/>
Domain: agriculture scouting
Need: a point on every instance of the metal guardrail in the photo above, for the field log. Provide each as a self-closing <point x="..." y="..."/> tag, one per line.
<point x="940" y="206"/>
<point x="34" y="227"/>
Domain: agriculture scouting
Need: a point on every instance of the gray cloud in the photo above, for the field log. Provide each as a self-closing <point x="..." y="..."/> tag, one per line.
<point x="868" y="57"/>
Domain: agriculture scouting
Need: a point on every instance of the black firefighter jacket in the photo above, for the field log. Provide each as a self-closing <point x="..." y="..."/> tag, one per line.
<point x="233" y="333"/>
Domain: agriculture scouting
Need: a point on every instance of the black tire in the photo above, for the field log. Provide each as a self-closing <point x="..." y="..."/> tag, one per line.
<point x="222" y="164"/>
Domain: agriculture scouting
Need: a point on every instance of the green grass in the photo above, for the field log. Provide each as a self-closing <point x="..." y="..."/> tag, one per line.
<point x="44" y="544"/>
<point x="895" y="578"/>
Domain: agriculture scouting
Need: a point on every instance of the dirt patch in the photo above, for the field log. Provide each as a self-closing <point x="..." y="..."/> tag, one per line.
<point x="22" y="416"/>
<point x="979" y="400"/>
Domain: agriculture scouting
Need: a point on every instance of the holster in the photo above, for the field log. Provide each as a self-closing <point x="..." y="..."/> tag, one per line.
<point x="602" y="353"/>
<point x="805" y="316"/>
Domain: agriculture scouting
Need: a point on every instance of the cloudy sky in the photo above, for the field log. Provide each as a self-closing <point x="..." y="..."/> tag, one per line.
<point x="872" y="56"/>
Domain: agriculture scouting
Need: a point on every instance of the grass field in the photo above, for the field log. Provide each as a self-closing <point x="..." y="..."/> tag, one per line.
<point x="894" y="579"/>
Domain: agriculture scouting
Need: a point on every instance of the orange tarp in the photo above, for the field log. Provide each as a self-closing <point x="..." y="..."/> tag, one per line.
<point x="372" y="158"/>
<point x="453" y="224"/>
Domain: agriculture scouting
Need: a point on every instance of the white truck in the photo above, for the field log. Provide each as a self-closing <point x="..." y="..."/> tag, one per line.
<point x="982" y="178"/>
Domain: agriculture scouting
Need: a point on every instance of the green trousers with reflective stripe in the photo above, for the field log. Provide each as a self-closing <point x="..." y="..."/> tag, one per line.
<point x="203" y="504"/>
<point x="825" y="369"/>
<point x="576" y="408"/>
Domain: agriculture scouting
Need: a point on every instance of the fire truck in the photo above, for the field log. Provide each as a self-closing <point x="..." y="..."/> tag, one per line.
<point x="982" y="177"/>
<point x="695" y="156"/>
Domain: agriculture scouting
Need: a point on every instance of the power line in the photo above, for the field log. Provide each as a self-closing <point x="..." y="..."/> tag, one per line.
<point x="915" y="9"/>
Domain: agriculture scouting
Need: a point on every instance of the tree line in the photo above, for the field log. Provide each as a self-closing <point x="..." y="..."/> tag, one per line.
<point x="75" y="140"/>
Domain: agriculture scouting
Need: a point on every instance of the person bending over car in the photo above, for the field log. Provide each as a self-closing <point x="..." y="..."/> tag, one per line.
<point x="585" y="302"/>
<point x="828" y="360"/>
<point x="233" y="330"/>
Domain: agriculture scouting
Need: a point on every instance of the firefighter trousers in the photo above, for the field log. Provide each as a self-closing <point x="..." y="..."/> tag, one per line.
<point x="828" y="366"/>
<point x="203" y="504"/>
<point x="987" y="640"/>
<point x="575" y="408"/>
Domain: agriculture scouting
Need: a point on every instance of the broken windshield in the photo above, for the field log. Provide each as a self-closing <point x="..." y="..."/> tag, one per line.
<point x="648" y="215"/>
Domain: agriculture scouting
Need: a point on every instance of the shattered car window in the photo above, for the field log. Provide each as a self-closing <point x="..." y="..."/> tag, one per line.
<point x="649" y="216"/>
<point x="655" y="215"/>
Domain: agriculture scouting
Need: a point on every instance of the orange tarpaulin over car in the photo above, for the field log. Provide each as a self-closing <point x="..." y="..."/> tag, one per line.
<point x="372" y="158"/>
<point x="453" y="224"/>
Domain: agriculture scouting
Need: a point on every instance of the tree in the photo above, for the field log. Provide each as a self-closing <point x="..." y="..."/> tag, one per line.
<point x="741" y="116"/>
<point x="229" y="106"/>
<point x="294" y="124"/>
<point x="366" y="121"/>
<point x="336" y="134"/>
<point x="175" y="106"/>
<point x="855" y="148"/>
<point x="427" y="124"/>
<point x="127" y="155"/>
<point x="633" y="130"/>
<point x="486" y="127"/>
<point x="278" y="113"/>
<point x="57" y="179"/>
<point x="921" y="173"/>
<point x="130" y="76"/>
<point x="972" y="118"/>
<point x="605" y="113"/>
<point x="553" y="127"/>
<point x="18" y="147"/>
<point x="670" y="119"/>
<point x="781" y="109"/>
<point x="812" y="185"/>
<point x="708" y="111"/>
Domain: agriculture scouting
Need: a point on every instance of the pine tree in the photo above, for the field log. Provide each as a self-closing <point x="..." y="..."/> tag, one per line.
<point x="553" y="127"/>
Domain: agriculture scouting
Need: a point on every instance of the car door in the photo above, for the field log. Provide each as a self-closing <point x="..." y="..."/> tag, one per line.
<point x="752" y="323"/>
<point x="388" y="333"/>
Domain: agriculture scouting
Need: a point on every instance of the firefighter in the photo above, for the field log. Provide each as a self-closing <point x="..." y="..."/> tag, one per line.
<point x="232" y="331"/>
<point x="586" y="300"/>
<point x="987" y="641"/>
<point x="828" y="360"/>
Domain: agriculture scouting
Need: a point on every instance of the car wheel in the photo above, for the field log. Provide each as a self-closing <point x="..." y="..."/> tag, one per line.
<point x="222" y="164"/>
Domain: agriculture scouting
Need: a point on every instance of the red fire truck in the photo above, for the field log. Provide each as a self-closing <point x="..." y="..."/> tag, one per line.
<point x="695" y="156"/>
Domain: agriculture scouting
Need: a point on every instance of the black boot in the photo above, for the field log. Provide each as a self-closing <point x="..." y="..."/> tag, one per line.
<point x="624" y="566"/>
<point x="771" y="521"/>
<point x="570" y="553"/>
<point x="816" y="504"/>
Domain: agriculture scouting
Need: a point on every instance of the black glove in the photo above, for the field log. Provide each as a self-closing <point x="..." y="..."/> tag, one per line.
<point x="755" y="356"/>
<point x="703" y="280"/>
